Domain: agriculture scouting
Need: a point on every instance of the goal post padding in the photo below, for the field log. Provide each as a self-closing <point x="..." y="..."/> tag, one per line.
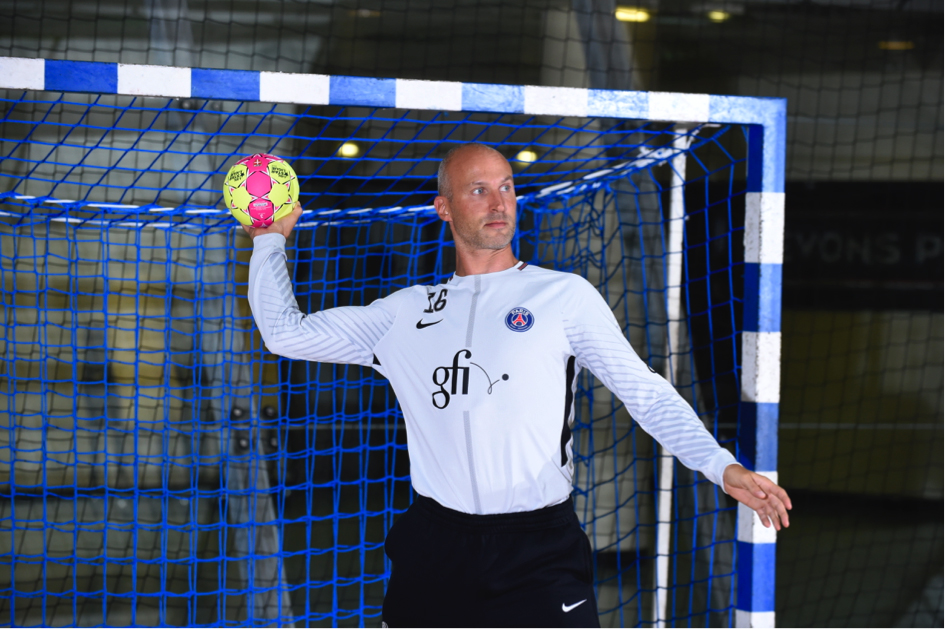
<point x="162" y="468"/>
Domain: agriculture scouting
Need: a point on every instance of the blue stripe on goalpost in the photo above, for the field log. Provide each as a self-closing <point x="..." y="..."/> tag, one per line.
<point x="762" y="297"/>
<point x="764" y="221"/>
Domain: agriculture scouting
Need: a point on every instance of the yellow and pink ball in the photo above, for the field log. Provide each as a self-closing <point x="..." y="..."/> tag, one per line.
<point x="260" y="189"/>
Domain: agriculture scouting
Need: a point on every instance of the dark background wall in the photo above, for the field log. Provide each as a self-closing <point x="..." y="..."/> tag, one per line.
<point x="861" y="421"/>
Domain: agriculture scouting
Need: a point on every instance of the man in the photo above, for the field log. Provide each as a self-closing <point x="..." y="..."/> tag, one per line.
<point x="484" y="366"/>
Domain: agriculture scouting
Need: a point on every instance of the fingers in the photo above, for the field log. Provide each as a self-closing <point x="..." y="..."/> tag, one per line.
<point x="774" y="509"/>
<point x="760" y="494"/>
<point x="286" y="224"/>
<point x="748" y="481"/>
<point x="776" y="496"/>
<point x="766" y="521"/>
<point x="754" y="486"/>
<point x="293" y="218"/>
<point x="780" y="493"/>
<point x="769" y="516"/>
<point x="783" y="516"/>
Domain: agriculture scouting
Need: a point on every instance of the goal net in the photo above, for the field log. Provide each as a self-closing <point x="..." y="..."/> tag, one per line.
<point x="159" y="467"/>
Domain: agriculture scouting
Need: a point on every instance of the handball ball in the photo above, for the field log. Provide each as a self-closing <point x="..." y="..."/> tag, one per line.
<point x="260" y="189"/>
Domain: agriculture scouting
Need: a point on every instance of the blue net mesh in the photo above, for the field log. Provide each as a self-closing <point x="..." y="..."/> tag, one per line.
<point x="159" y="467"/>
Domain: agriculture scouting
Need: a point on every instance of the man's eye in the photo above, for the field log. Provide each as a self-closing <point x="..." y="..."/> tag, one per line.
<point x="478" y="191"/>
<point x="506" y="188"/>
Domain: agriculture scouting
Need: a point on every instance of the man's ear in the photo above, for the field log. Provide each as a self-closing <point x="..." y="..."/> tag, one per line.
<point x="442" y="205"/>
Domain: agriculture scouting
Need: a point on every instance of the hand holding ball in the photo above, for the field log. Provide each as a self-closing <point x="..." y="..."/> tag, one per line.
<point x="260" y="189"/>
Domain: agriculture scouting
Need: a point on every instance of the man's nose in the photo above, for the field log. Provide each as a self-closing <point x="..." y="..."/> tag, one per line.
<point x="498" y="202"/>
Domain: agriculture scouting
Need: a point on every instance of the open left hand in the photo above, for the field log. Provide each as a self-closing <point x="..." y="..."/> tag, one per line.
<point x="768" y="500"/>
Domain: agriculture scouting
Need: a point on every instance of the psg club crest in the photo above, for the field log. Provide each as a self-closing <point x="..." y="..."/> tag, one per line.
<point x="519" y="320"/>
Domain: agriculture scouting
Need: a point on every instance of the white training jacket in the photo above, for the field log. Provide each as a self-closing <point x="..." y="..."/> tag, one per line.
<point x="484" y="368"/>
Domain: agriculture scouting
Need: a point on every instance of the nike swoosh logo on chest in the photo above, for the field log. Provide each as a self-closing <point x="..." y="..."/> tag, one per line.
<point x="423" y="324"/>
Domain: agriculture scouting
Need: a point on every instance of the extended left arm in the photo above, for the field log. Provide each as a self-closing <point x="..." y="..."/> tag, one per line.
<point x="599" y="344"/>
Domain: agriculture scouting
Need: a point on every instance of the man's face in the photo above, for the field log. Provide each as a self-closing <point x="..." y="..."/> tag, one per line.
<point x="481" y="212"/>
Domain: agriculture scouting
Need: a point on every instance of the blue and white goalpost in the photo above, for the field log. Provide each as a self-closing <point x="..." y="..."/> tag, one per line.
<point x="112" y="241"/>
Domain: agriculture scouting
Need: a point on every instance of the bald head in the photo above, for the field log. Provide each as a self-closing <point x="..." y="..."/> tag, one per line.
<point x="457" y="154"/>
<point x="477" y="198"/>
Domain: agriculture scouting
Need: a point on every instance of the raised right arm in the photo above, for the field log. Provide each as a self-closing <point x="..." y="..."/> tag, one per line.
<point x="339" y="335"/>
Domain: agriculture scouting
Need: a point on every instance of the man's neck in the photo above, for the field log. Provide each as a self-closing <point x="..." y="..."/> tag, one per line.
<point x="482" y="261"/>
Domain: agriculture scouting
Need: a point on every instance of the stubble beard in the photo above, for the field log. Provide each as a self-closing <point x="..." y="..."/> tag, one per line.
<point x="479" y="240"/>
